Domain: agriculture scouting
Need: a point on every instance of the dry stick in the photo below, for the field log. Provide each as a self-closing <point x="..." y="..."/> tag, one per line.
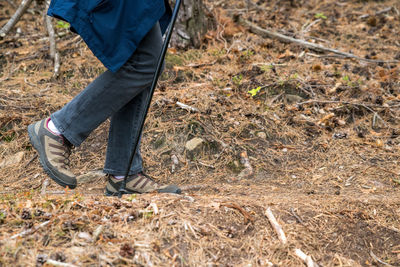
<point x="307" y="259"/>
<point x="378" y="260"/>
<point x="276" y="226"/>
<point x="266" y="33"/>
<point x="186" y="107"/>
<point x="345" y="103"/>
<point x="12" y="3"/>
<point x="15" y="18"/>
<point x="31" y="230"/>
<point x="282" y="237"/>
<point x="246" y="215"/>
<point x="59" y="263"/>
<point x="388" y="9"/>
<point x="31" y="160"/>
<point x="53" y="48"/>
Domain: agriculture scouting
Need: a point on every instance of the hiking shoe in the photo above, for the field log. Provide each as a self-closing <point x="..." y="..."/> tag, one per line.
<point x="137" y="184"/>
<point x="54" y="151"/>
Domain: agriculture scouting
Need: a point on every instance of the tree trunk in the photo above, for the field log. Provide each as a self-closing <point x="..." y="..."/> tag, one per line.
<point x="192" y="24"/>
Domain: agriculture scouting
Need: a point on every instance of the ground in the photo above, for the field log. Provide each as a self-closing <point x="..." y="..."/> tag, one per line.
<point x="310" y="135"/>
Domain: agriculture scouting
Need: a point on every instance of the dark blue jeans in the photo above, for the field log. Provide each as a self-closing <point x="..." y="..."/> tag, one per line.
<point x="122" y="96"/>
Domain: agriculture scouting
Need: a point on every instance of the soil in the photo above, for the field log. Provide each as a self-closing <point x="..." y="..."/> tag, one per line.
<point x="311" y="135"/>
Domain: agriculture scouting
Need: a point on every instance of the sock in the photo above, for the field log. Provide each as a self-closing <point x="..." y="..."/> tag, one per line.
<point x="119" y="177"/>
<point x="53" y="128"/>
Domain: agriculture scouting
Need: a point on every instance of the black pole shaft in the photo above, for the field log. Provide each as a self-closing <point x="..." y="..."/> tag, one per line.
<point x="164" y="49"/>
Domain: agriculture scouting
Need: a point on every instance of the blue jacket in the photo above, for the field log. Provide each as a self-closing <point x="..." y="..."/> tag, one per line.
<point x="112" y="29"/>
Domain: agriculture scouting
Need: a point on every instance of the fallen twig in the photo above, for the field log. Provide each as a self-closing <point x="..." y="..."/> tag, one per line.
<point x="199" y="65"/>
<point x="278" y="229"/>
<point x="12" y="3"/>
<point x="377" y="13"/>
<point x="59" y="263"/>
<point x="15" y="18"/>
<point x="307" y="259"/>
<point x="299" y="220"/>
<point x="378" y="260"/>
<point x="345" y="103"/>
<point x="246" y="215"/>
<point x="267" y="33"/>
<point x="205" y="164"/>
<point x="53" y="48"/>
<point x="31" y="230"/>
<point x="186" y="107"/>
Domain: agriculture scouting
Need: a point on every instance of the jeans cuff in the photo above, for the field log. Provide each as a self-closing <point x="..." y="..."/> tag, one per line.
<point x="64" y="133"/>
<point x="119" y="172"/>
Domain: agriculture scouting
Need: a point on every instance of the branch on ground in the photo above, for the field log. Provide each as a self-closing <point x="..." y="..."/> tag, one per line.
<point x="53" y="48"/>
<point x="283" y="38"/>
<point x="15" y="18"/>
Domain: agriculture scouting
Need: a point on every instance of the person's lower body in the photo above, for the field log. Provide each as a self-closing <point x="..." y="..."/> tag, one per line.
<point x="121" y="96"/>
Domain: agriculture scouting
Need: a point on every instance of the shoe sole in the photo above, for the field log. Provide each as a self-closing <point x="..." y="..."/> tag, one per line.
<point x="36" y="144"/>
<point x="110" y="194"/>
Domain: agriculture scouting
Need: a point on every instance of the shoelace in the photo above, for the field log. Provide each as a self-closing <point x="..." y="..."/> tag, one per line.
<point x="66" y="155"/>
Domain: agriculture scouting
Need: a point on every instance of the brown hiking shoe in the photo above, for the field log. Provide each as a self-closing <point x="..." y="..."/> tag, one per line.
<point x="137" y="184"/>
<point x="54" y="151"/>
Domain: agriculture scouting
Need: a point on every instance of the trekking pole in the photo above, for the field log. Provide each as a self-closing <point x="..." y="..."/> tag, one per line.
<point x="122" y="188"/>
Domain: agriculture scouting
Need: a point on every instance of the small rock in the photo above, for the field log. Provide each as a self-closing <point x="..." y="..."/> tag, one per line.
<point x="193" y="143"/>
<point x="85" y="236"/>
<point x="339" y="135"/>
<point x="14" y="159"/>
<point x="262" y="135"/>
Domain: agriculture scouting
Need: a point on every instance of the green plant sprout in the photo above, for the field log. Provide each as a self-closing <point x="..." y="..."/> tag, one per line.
<point x="254" y="92"/>
<point x="320" y="16"/>
<point x="237" y="80"/>
<point x="62" y="24"/>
